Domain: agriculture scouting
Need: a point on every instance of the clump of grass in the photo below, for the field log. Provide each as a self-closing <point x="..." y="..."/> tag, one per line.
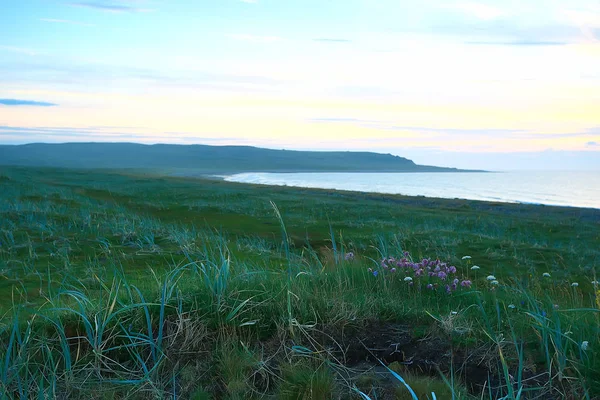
<point x="237" y="365"/>
<point x="303" y="381"/>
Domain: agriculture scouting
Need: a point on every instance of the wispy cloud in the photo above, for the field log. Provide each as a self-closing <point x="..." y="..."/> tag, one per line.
<point x="16" y="102"/>
<point x="389" y="125"/>
<point x="516" y="134"/>
<point x="479" y="10"/>
<point x="69" y="75"/>
<point x="474" y="131"/>
<point x="332" y="40"/>
<point x="254" y="38"/>
<point x="249" y="1"/>
<point x="518" y="24"/>
<point x="87" y="133"/>
<point x="19" y="50"/>
<point x="66" y="130"/>
<point x="111" y="7"/>
<point x="370" y="124"/>
<point x="519" y="43"/>
<point x="65" y="21"/>
<point x="591" y="133"/>
<point x="18" y="134"/>
<point x="342" y="120"/>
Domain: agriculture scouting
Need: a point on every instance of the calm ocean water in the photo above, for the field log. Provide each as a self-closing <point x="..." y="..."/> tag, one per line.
<point x="572" y="188"/>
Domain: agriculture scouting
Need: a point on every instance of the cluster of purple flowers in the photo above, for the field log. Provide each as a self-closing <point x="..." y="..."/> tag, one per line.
<point x="435" y="272"/>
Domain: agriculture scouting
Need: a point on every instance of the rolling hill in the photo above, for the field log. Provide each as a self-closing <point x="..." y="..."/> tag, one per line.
<point x="203" y="158"/>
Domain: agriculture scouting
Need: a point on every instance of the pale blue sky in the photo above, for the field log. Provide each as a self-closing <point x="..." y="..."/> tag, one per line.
<point x="461" y="83"/>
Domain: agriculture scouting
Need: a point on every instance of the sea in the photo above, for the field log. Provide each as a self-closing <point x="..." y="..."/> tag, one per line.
<point x="560" y="188"/>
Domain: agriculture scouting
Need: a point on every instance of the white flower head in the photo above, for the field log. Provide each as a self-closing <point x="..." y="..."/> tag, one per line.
<point x="546" y="275"/>
<point x="595" y="283"/>
<point x="408" y="279"/>
<point x="584" y="345"/>
<point x="475" y="267"/>
<point x="494" y="282"/>
<point x="574" y="284"/>
<point x="491" y="278"/>
<point x="512" y="306"/>
<point x="453" y="313"/>
<point x="466" y="258"/>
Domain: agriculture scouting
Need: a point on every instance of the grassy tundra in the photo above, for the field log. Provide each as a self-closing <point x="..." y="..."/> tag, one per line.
<point x="122" y="285"/>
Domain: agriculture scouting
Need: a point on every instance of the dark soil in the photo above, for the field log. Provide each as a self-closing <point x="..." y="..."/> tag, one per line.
<point x="370" y="348"/>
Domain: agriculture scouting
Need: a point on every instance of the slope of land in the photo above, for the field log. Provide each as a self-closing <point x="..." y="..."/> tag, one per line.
<point x="208" y="159"/>
<point x="130" y="286"/>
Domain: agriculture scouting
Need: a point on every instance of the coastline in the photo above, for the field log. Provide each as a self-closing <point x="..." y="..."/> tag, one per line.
<point x="261" y="180"/>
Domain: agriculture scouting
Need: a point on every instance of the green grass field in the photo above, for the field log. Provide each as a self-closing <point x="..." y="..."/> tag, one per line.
<point x="127" y="285"/>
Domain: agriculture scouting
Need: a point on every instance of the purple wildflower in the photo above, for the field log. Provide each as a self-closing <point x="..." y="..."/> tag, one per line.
<point x="452" y="270"/>
<point x="442" y="275"/>
<point x="349" y="256"/>
<point x="430" y="286"/>
<point x="393" y="269"/>
<point x="375" y="273"/>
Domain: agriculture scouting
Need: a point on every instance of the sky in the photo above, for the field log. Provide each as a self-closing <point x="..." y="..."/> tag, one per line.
<point x="508" y="84"/>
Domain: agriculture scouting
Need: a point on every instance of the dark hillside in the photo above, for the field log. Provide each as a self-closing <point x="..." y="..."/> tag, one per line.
<point x="202" y="157"/>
